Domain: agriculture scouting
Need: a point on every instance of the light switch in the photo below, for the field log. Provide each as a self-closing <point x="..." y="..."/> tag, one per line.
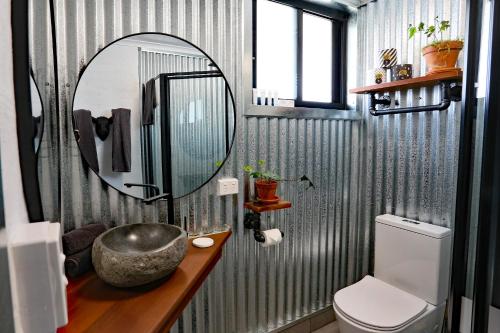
<point x="226" y="186"/>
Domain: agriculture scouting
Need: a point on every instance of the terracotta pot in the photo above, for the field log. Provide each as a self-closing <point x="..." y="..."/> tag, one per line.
<point x="442" y="57"/>
<point x="266" y="190"/>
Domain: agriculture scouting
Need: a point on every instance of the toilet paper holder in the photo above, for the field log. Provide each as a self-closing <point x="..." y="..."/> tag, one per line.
<point x="252" y="221"/>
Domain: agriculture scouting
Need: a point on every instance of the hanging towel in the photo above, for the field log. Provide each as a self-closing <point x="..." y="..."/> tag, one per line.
<point x="148" y="102"/>
<point x="79" y="239"/>
<point x="121" y="140"/>
<point x="84" y="132"/>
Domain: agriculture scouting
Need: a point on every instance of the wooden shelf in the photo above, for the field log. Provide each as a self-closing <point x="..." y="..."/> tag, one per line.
<point x="417" y="82"/>
<point x="259" y="207"/>
<point x="94" y="306"/>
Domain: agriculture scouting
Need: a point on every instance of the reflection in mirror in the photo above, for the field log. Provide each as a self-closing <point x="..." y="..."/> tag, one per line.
<point x="153" y="115"/>
<point x="6" y="315"/>
<point x="37" y="114"/>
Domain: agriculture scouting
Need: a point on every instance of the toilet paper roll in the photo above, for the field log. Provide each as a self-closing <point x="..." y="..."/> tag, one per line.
<point x="272" y="237"/>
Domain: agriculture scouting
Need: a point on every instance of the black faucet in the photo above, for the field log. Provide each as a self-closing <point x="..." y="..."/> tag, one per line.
<point x="149" y="201"/>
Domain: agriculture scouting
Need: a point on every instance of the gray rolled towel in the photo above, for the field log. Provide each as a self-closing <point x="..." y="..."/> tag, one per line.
<point x="79" y="239"/>
<point x="121" y="151"/>
<point x="84" y="133"/>
<point x="78" y="263"/>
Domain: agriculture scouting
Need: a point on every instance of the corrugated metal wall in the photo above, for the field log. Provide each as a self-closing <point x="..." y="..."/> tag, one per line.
<point x="42" y="65"/>
<point x="401" y="164"/>
<point x="409" y="162"/>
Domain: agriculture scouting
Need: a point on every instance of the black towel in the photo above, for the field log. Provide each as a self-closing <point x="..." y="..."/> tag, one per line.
<point x="78" y="263"/>
<point x="84" y="132"/>
<point x="121" y="140"/>
<point x="148" y="103"/>
<point x="79" y="239"/>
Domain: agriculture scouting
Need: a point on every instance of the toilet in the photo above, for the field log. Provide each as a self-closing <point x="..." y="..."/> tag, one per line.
<point x="409" y="288"/>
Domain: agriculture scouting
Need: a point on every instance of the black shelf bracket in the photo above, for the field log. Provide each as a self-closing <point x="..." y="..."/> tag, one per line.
<point x="252" y="221"/>
<point x="451" y="91"/>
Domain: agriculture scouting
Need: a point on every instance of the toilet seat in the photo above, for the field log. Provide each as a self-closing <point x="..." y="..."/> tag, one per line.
<point x="377" y="305"/>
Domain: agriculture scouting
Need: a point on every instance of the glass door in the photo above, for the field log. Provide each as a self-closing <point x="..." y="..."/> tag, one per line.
<point x="480" y="297"/>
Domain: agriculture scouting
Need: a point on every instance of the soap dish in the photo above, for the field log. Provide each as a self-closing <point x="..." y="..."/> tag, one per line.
<point x="203" y="242"/>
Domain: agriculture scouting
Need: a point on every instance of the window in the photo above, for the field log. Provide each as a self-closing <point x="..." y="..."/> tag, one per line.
<point x="299" y="54"/>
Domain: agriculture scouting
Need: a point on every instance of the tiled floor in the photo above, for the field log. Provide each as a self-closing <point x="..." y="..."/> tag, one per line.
<point x="330" y="328"/>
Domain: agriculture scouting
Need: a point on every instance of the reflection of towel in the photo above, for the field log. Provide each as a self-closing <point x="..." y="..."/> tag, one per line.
<point x="78" y="263"/>
<point x="79" y="239"/>
<point x="85" y="137"/>
<point x="121" y="140"/>
<point x="148" y="103"/>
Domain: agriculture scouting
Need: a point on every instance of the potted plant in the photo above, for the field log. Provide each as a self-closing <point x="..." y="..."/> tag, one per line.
<point x="266" y="182"/>
<point x="441" y="54"/>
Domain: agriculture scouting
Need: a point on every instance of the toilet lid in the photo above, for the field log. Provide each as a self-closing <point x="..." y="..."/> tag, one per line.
<point x="378" y="305"/>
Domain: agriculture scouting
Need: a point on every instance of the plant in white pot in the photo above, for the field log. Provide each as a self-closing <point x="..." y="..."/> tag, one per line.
<point x="441" y="54"/>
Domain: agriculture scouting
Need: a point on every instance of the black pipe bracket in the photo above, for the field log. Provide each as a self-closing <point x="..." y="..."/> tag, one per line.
<point x="252" y="221"/>
<point x="451" y="91"/>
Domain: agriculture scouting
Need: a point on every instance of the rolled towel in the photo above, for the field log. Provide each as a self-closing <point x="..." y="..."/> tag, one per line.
<point x="78" y="263"/>
<point x="80" y="239"/>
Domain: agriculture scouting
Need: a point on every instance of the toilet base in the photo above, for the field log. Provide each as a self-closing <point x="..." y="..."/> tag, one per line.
<point x="431" y="321"/>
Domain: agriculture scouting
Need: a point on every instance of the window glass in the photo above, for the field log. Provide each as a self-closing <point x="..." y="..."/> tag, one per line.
<point x="317" y="59"/>
<point x="277" y="48"/>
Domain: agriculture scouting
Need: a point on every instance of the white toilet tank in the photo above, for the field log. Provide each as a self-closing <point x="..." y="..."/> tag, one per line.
<point x="413" y="256"/>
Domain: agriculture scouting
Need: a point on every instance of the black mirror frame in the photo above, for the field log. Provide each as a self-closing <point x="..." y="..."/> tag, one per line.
<point x="22" y="95"/>
<point x="80" y="75"/>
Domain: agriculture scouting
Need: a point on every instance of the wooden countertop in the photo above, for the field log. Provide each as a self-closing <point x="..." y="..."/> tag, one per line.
<point x="94" y="306"/>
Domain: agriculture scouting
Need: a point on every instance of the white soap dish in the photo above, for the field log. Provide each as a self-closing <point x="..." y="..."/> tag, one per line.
<point x="203" y="242"/>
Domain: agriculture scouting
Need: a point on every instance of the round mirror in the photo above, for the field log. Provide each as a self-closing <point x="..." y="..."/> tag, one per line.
<point x="153" y="115"/>
<point x="36" y="113"/>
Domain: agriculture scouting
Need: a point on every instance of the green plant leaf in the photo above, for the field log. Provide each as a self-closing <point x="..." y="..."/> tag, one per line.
<point x="444" y="25"/>
<point x="430" y="31"/>
<point x="261" y="162"/>
<point x="421" y="26"/>
<point x="248" y="168"/>
<point x="218" y="164"/>
<point x="412" y="31"/>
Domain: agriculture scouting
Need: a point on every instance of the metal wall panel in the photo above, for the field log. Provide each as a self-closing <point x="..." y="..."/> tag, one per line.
<point x="409" y="162"/>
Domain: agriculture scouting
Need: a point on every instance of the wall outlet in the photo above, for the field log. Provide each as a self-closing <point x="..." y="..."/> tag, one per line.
<point x="226" y="186"/>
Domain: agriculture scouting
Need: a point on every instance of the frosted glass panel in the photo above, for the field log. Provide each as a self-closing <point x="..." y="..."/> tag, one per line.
<point x="317" y="59"/>
<point x="277" y="48"/>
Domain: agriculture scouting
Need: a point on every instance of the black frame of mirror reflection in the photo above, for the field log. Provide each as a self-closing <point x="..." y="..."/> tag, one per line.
<point x="24" y="118"/>
<point x="228" y="89"/>
<point x="42" y="115"/>
<point x="338" y="14"/>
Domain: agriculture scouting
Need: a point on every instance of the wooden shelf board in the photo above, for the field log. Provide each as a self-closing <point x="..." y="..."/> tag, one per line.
<point x="259" y="207"/>
<point x="417" y="82"/>
<point x="94" y="306"/>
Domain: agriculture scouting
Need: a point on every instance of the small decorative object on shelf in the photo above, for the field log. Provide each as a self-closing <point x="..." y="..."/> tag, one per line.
<point x="401" y="72"/>
<point x="441" y="54"/>
<point x="388" y="58"/>
<point x="265" y="97"/>
<point x="377" y="76"/>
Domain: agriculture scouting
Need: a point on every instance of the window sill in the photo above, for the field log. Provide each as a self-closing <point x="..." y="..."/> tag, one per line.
<point x="267" y="111"/>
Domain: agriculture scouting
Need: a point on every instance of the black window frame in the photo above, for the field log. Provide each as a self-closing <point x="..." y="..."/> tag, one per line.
<point x="339" y="18"/>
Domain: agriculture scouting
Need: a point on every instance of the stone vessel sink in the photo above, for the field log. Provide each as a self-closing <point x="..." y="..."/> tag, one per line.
<point x="136" y="254"/>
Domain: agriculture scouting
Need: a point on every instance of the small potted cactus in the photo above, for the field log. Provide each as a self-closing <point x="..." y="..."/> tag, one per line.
<point x="441" y="54"/>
